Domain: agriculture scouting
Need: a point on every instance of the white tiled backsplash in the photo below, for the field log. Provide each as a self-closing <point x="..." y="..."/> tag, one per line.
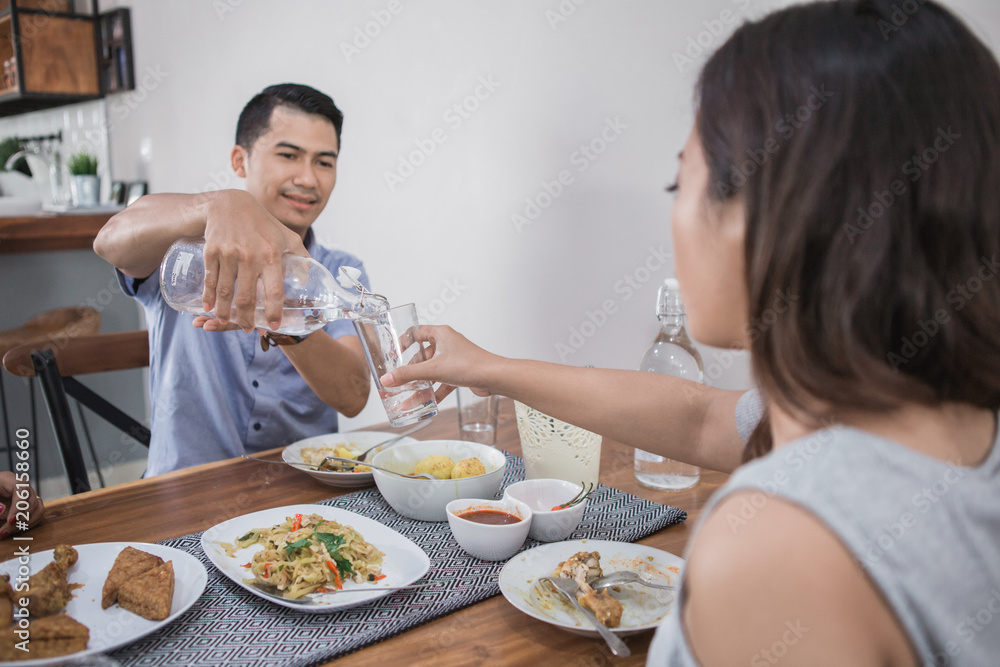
<point x="84" y="126"/>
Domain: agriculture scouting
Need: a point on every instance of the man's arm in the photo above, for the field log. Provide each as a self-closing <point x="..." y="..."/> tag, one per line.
<point x="335" y="369"/>
<point x="243" y="243"/>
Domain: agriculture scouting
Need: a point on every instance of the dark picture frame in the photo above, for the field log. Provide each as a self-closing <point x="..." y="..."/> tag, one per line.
<point x="118" y="189"/>
<point x="136" y="189"/>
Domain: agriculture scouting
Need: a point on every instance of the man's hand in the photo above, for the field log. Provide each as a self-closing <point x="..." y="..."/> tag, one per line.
<point x="13" y="520"/>
<point x="451" y="359"/>
<point x="243" y="245"/>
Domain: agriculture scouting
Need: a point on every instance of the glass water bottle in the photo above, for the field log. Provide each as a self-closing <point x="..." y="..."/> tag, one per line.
<point x="312" y="295"/>
<point x="672" y="353"/>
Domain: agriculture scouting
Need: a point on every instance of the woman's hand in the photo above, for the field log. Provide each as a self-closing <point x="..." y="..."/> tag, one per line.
<point x="451" y="359"/>
<point x="12" y="493"/>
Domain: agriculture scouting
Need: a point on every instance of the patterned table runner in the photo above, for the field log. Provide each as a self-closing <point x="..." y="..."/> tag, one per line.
<point x="230" y="626"/>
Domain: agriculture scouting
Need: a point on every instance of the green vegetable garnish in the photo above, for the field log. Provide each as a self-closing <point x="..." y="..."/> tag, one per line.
<point x="292" y="547"/>
<point x="332" y="543"/>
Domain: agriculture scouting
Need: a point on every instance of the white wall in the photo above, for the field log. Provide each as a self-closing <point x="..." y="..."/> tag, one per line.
<point x="563" y="71"/>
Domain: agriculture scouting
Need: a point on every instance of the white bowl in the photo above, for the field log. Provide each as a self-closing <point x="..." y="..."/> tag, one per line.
<point x="426" y="499"/>
<point x="489" y="541"/>
<point x="541" y="495"/>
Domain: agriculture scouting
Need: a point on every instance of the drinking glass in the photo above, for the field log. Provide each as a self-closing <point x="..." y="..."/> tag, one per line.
<point x="553" y="449"/>
<point x="477" y="416"/>
<point x="387" y="338"/>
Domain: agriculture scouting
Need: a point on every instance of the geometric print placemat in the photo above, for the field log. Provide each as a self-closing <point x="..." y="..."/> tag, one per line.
<point x="229" y="626"/>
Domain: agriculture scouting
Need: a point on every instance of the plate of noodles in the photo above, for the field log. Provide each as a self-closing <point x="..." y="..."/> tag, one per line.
<point x="315" y="551"/>
<point x="348" y="445"/>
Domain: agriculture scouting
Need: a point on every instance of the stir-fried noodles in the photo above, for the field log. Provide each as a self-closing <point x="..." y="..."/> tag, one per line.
<point x="307" y="553"/>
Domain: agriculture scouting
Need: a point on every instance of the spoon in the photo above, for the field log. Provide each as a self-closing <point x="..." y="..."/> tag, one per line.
<point x="391" y="441"/>
<point x="273" y="592"/>
<point x="306" y="466"/>
<point x="569" y="588"/>
<point x="619" y="578"/>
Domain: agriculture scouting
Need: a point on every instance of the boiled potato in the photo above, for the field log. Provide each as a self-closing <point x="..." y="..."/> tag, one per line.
<point x="440" y="466"/>
<point x="468" y="468"/>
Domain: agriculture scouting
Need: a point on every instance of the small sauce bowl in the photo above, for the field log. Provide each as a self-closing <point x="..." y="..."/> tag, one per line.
<point x="541" y="495"/>
<point x="489" y="541"/>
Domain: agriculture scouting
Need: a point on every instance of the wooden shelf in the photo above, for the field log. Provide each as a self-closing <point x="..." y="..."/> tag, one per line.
<point x="46" y="233"/>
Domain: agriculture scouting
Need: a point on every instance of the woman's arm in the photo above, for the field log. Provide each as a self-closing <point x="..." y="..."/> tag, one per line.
<point x="677" y="418"/>
<point x="769" y="583"/>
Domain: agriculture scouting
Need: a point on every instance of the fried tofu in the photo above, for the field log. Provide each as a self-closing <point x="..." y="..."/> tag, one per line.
<point x="129" y="564"/>
<point x="150" y="594"/>
<point x="48" y="590"/>
<point x="51" y="636"/>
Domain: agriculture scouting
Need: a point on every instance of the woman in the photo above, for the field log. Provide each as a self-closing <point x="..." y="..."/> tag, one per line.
<point x="846" y="154"/>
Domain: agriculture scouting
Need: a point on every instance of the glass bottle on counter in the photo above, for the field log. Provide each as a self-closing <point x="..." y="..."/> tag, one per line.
<point x="312" y="296"/>
<point x="672" y="353"/>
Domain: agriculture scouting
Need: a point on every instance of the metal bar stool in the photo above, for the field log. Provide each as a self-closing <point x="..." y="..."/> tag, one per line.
<point x="56" y="326"/>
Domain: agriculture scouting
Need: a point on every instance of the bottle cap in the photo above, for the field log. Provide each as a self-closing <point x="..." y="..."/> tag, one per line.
<point x="668" y="299"/>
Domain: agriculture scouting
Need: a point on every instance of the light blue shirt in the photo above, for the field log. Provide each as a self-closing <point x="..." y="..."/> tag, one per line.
<point x="216" y="395"/>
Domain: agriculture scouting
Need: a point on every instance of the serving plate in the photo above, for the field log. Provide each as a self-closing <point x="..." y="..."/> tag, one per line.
<point x="644" y="607"/>
<point x="404" y="561"/>
<point x="356" y="441"/>
<point x="113" y="627"/>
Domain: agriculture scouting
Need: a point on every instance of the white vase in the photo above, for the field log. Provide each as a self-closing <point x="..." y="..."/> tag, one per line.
<point x="86" y="190"/>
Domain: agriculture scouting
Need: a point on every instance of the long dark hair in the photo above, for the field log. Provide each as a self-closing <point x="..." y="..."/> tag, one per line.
<point x="864" y="139"/>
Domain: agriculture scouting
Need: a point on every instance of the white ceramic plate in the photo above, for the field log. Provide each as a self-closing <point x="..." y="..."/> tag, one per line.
<point x="643" y="606"/>
<point x="403" y="564"/>
<point x="357" y="442"/>
<point x="114" y="627"/>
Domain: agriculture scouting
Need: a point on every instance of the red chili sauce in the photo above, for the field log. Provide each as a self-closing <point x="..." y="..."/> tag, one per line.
<point x="492" y="517"/>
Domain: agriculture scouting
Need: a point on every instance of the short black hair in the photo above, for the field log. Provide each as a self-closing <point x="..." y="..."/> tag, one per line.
<point x="255" y="119"/>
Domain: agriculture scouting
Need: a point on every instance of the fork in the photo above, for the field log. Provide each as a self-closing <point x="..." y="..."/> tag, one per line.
<point x="569" y="588"/>
<point x="618" y="578"/>
<point x="269" y="591"/>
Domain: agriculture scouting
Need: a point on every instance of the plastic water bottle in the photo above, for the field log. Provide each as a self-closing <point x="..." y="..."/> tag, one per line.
<point x="312" y="296"/>
<point x="672" y="353"/>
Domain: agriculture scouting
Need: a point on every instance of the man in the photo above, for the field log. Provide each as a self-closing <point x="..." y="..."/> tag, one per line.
<point x="215" y="391"/>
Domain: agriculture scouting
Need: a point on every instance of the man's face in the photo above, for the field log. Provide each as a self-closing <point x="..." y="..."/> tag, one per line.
<point x="292" y="168"/>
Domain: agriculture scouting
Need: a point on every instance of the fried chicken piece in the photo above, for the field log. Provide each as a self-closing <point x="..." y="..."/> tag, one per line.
<point x="581" y="567"/>
<point x="51" y="636"/>
<point x="607" y="609"/>
<point x="129" y="564"/>
<point x="585" y="566"/>
<point x="48" y="590"/>
<point x="150" y="594"/>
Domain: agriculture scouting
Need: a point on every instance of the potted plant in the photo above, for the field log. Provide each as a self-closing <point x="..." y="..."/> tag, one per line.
<point x="86" y="185"/>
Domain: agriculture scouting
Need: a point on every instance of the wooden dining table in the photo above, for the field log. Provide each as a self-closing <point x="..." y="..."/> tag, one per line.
<point x="491" y="632"/>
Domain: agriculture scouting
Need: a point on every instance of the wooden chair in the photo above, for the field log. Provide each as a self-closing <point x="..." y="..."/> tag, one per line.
<point x="56" y="363"/>
<point x="55" y="325"/>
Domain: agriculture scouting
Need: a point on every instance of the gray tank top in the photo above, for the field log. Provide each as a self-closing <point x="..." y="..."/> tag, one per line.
<point x="927" y="533"/>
